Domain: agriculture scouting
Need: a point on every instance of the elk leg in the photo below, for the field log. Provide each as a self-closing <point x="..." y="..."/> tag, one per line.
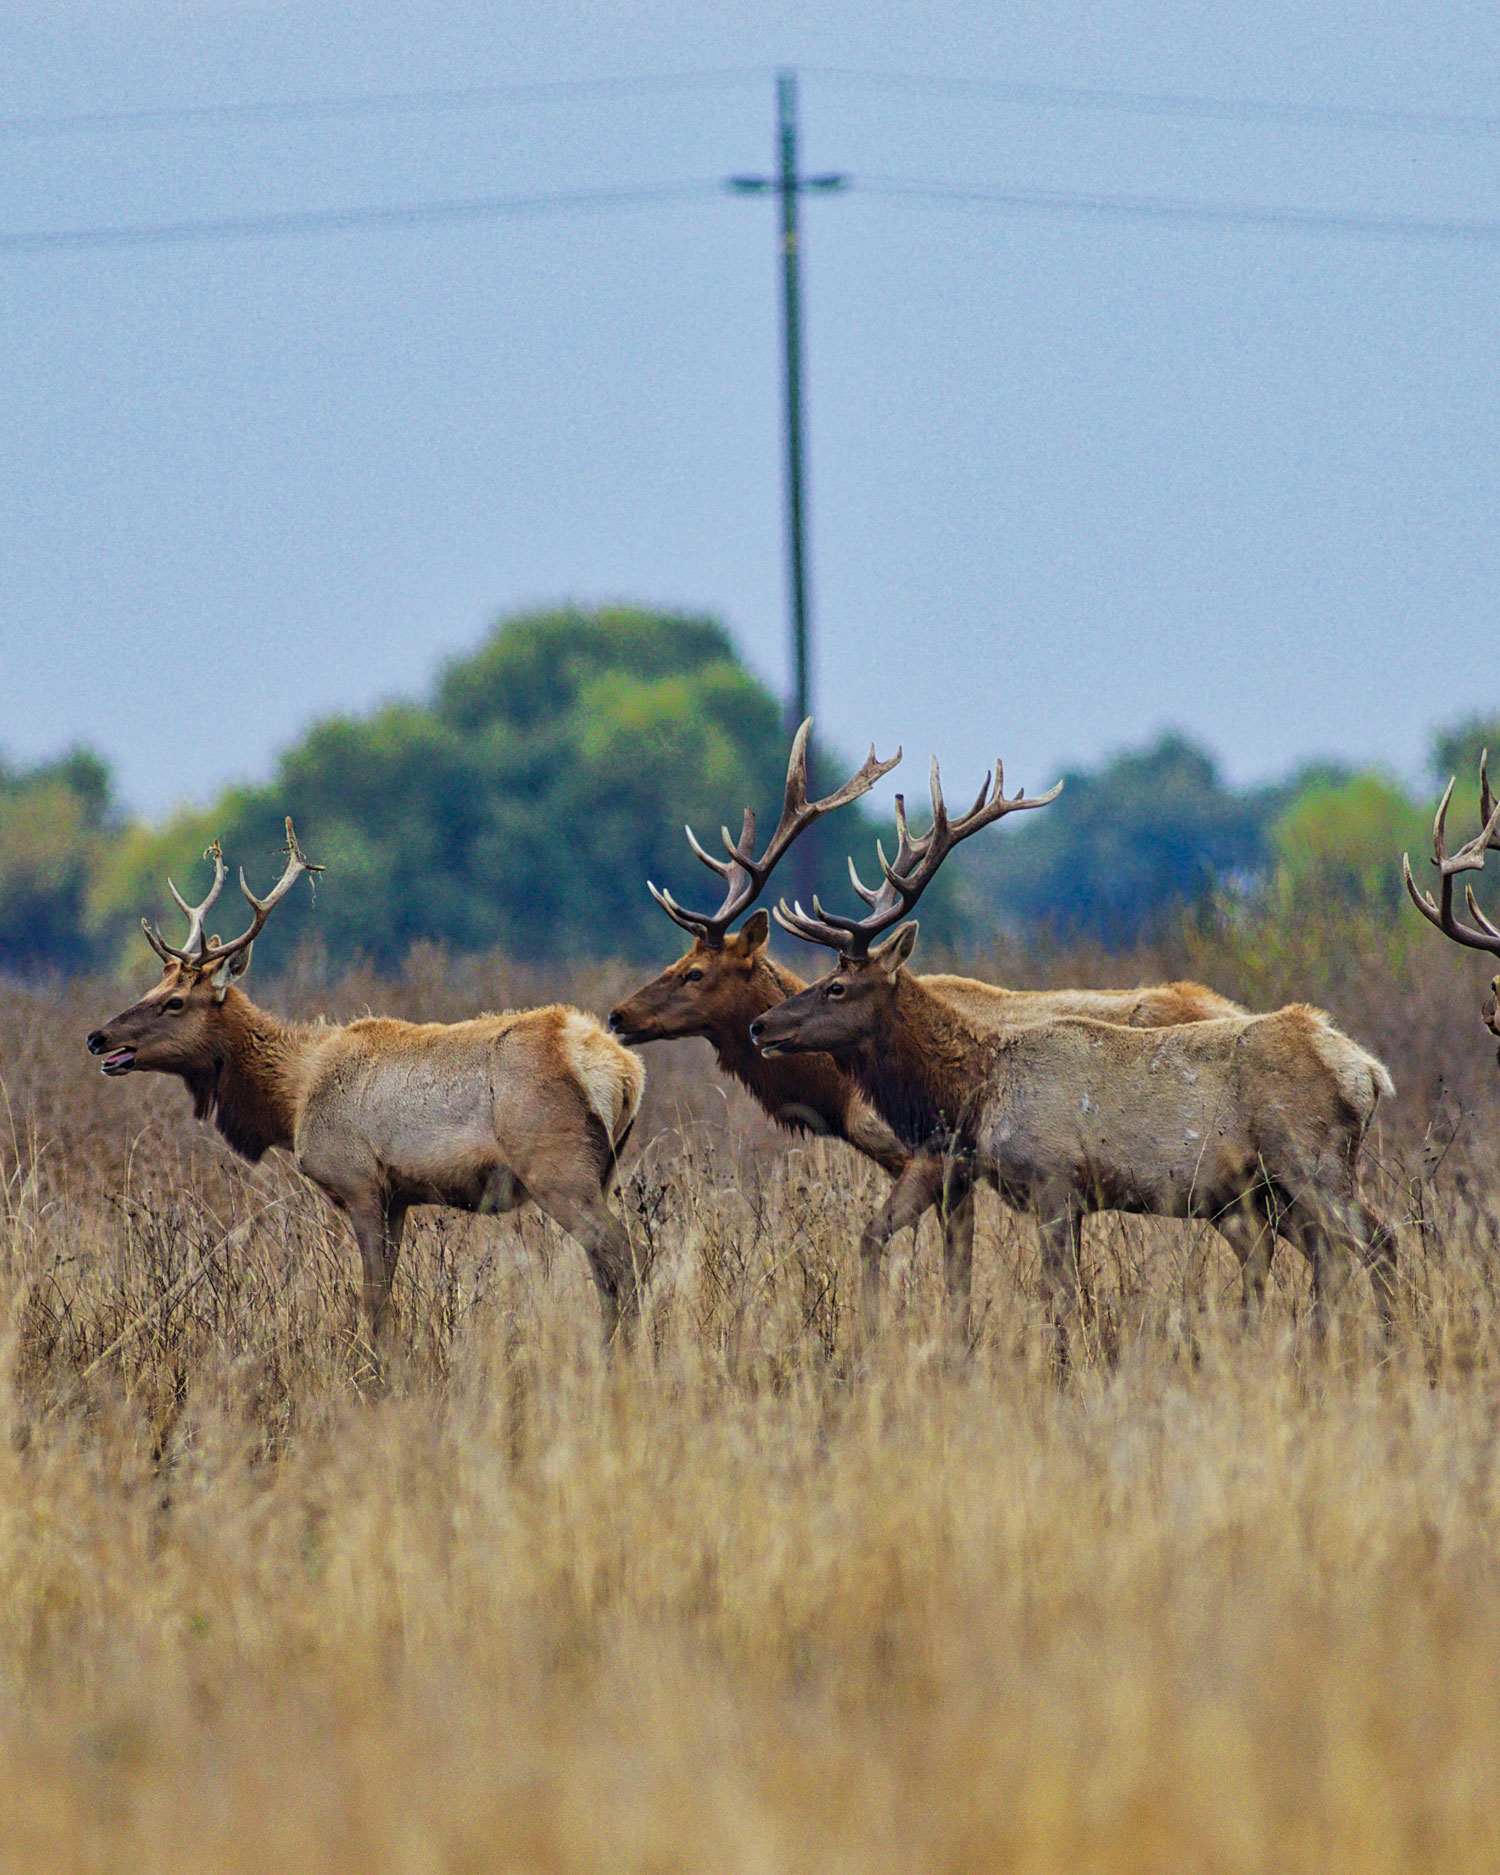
<point x="1251" y="1235"/>
<point x="1375" y="1245"/>
<point x="603" y="1240"/>
<point x="914" y="1193"/>
<point x="958" y="1249"/>
<point x="378" y="1232"/>
<point x="1060" y="1242"/>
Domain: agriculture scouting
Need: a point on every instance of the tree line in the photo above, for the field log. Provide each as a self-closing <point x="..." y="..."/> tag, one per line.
<point x="549" y="774"/>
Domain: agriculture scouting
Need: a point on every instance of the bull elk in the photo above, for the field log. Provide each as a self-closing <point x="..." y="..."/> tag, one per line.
<point x="381" y="1114"/>
<point x="1252" y="1122"/>
<point x="726" y="980"/>
<point x="1481" y="935"/>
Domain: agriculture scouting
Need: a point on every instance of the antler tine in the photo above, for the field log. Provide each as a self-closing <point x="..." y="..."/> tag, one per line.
<point x="297" y="863"/>
<point x="744" y="874"/>
<point x="195" y="944"/>
<point x="1468" y="858"/>
<point x="908" y="876"/>
<point x="698" y="926"/>
<point x="792" y="918"/>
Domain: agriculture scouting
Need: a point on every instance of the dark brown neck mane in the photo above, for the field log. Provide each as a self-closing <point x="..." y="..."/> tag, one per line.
<point x="924" y="1071"/>
<point x="804" y="1092"/>
<point x="246" y="1083"/>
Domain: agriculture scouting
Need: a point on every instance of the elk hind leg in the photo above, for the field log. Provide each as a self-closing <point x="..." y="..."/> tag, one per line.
<point x="1251" y="1235"/>
<point x="1059" y="1226"/>
<point x="589" y="1221"/>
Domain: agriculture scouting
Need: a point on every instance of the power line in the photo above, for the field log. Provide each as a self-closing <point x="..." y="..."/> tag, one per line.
<point x="1171" y="104"/>
<point x="1062" y="202"/>
<point x="1057" y="202"/>
<point x="340" y="220"/>
<point x="374" y="103"/>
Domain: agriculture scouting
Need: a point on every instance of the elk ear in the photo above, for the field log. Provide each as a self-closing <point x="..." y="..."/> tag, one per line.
<point x="754" y="932"/>
<point x="234" y="966"/>
<point x="895" y="950"/>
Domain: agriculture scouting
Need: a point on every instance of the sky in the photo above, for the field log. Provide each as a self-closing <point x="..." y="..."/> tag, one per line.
<point x="1073" y="479"/>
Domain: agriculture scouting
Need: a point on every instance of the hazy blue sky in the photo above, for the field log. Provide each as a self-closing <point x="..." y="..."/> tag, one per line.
<point x="1072" y="480"/>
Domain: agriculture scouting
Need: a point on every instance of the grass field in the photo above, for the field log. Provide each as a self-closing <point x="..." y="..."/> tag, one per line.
<point x="745" y="1598"/>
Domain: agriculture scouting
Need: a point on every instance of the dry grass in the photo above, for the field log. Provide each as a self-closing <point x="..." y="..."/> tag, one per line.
<point x="738" y="1600"/>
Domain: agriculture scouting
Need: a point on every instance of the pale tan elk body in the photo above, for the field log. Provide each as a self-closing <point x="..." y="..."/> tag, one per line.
<point x="381" y="1115"/>
<point x="1253" y="1122"/>
<point x="726" y="980"/>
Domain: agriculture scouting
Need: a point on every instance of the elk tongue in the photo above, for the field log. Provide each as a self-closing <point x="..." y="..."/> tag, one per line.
<point x="117" y="1061"/>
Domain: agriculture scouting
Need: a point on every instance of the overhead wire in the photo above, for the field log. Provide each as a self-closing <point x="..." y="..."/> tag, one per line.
<point x="1069" y="203"/>
<point x="342" y="220"/>
<point x="371" y="104"/>
<point x="1063" y="203"/>
<point x="1168" y="104"/>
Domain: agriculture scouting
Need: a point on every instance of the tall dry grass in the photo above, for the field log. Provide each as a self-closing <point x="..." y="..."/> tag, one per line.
<point x="743" y="1598"/>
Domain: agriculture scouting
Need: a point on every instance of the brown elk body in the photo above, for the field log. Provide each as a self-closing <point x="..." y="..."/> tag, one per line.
<point x="727" y="980"/>
<point x="382" y="1115"/>
<point x="1253" y="1122"/>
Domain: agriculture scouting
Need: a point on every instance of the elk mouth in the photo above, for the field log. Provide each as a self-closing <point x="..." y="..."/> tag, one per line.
<point x="118" y="1061"/>
<point x="626" y="1032"/>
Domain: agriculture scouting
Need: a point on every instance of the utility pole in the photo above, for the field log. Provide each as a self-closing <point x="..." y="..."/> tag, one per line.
<point x="788" y="184"/>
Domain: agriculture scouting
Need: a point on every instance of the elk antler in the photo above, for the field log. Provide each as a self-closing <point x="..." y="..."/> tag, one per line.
<point x="1468" y="858"/>
<point x="209" y="952"/>
<point x="193" y="950"/>
<point x="908" y="877"/>
<point x="743" y="874"/>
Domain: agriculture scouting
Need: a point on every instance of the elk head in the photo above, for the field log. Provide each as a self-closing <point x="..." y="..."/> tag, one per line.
<point x="707" y="986"/>
<point x="171" y="1029"/>
<point x="1481" y="935"/>
<point x="853" y="1004"/>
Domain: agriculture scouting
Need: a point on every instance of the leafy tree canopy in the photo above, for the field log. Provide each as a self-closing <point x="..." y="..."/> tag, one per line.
<point x="1344" y="838"/>
<point x="526" y="808"/>
<point x="1151" y="830"/>
<point x="52" y="820"/>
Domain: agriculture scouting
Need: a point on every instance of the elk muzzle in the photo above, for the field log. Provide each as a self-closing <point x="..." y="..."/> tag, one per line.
<point x="118" y="1060"/>
<point x="774" y="1035"/>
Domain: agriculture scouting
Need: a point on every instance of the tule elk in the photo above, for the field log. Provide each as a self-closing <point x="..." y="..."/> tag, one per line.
<point x="382" y="1115"/>
<point x="1252" y="1122"/>
<point x="1481" y="935"/>
<point x="726" y="980"/>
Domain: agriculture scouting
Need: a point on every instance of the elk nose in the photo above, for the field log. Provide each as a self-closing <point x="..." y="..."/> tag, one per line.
<point x="96" y="1042"/>
<point x="757" y="1028"/>
<point x="614" y="1022"/>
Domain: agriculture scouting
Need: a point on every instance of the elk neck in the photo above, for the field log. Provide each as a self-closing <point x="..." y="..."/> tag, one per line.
<point x="249" y="1079"/>
<point x="799" y="1091"/>
<point x="924" y="1070"/>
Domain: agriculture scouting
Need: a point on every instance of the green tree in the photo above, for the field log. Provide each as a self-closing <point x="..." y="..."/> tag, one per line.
<point x="1456" y="752"/>
<point x="1343" y="838"/>
<point x="1150" y="831"/>
<point x="53" y="834"/>
<point x="527" y="807"/>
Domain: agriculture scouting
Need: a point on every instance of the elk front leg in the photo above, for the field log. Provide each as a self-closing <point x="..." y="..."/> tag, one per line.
<point x="958" y="1250"/>
<point x="377" y="1228"/>
<point x="915" y="1192"/>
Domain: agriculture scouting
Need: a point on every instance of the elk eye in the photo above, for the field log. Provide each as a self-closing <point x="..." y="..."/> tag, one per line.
<point x="174" y="1005"/>
<point x="693" y="976"/>
<point x="835" y="989"/>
